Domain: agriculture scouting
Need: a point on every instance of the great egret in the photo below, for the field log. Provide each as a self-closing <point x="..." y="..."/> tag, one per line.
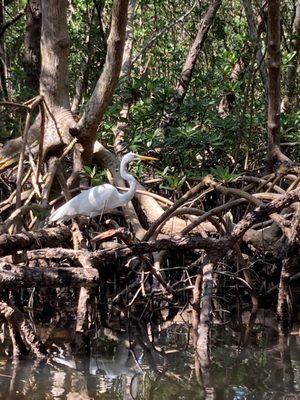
<point x="100" y="199"/>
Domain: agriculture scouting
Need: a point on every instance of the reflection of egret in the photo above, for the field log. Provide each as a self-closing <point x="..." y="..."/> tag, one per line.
<point x="100" y="199"/>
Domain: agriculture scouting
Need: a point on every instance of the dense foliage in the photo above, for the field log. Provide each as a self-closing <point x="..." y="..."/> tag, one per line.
<point x="200" y="139"/>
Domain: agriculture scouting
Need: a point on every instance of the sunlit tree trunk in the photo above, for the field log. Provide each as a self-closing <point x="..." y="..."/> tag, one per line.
<point x="55" y="44"/>
<point x="122" y="126"/>
<point x="106" y="84"/>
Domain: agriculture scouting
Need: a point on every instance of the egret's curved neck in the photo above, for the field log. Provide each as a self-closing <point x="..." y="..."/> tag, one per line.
<point x="130" y="179"/>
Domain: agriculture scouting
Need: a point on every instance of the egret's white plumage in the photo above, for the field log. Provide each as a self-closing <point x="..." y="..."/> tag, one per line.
<point x="100" y="199"/>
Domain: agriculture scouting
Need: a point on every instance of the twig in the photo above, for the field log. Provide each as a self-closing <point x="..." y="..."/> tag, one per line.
<point x="53" y="164"/>
<point x="22" y="155"/>
<point x="162" y="32"/>
<point x="41" y="140"/>
<point x="68" y="148"/>
<point x="5" y="26"/>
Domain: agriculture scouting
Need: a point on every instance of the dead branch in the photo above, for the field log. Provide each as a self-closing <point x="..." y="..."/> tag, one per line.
<point x="266" y="209"/>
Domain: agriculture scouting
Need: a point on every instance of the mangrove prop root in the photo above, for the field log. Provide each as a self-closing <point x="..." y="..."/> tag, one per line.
<point x="17" y="319"/>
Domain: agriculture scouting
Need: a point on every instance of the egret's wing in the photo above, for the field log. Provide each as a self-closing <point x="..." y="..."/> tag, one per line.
<point x="98" y="200"/>
<point x="90" y="202"/>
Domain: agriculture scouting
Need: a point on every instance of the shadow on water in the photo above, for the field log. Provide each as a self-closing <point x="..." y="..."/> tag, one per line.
<point x="163" y="367"/>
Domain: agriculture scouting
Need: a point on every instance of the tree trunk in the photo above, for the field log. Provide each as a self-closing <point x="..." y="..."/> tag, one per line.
<point x="3" y="65"/>
<point x="10" y="244"/>
<point x="291" y="74"/>
<point x="188" y="68"/>
<point x="85" y="66"/>
<point x="274" y="152"/>
<point x="122" y="126"/>
<point x="106" y="84"/>
<point x="227" y="102"/>
<point x="32" y="49"/>
<point x="284" y="302"/>
<point x="255" y="38"/>
<point x="55" y="44"/>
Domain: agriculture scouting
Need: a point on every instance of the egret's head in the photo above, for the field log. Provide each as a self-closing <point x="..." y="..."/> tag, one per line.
<point x="134" y="157"/>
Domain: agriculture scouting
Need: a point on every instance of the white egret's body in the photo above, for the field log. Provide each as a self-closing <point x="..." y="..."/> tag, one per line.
<point x="100" y="199"/>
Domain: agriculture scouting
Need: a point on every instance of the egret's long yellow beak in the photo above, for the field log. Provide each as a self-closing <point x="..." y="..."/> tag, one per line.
<point x="145" y="158"/>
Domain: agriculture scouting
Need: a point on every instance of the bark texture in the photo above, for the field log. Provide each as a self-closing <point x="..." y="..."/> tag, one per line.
<point x="55" y="45"/>
<point x="19" y="323"/>
<point x="227" y="101"/>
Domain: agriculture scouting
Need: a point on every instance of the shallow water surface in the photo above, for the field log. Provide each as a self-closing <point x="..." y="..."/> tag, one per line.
<point x="265" y="368"/>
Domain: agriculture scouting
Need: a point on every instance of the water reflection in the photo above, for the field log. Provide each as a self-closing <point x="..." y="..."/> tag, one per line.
<point x="162" y="368"/>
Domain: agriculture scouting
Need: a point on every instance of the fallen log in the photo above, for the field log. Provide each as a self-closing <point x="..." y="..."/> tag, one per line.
<point x="12" y="277"/>
<point x="217" y="246"/>
<point x="22" y="241"/>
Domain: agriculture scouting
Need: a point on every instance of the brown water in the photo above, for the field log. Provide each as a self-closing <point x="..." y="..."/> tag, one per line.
<point x="264" y="368"/>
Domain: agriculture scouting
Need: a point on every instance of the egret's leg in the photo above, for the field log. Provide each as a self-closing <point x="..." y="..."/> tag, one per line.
<point x="86" y="233"/>
<point x="98" y="221"/>
<point x="102" y="213"/>
<point x="103" y="210"/>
